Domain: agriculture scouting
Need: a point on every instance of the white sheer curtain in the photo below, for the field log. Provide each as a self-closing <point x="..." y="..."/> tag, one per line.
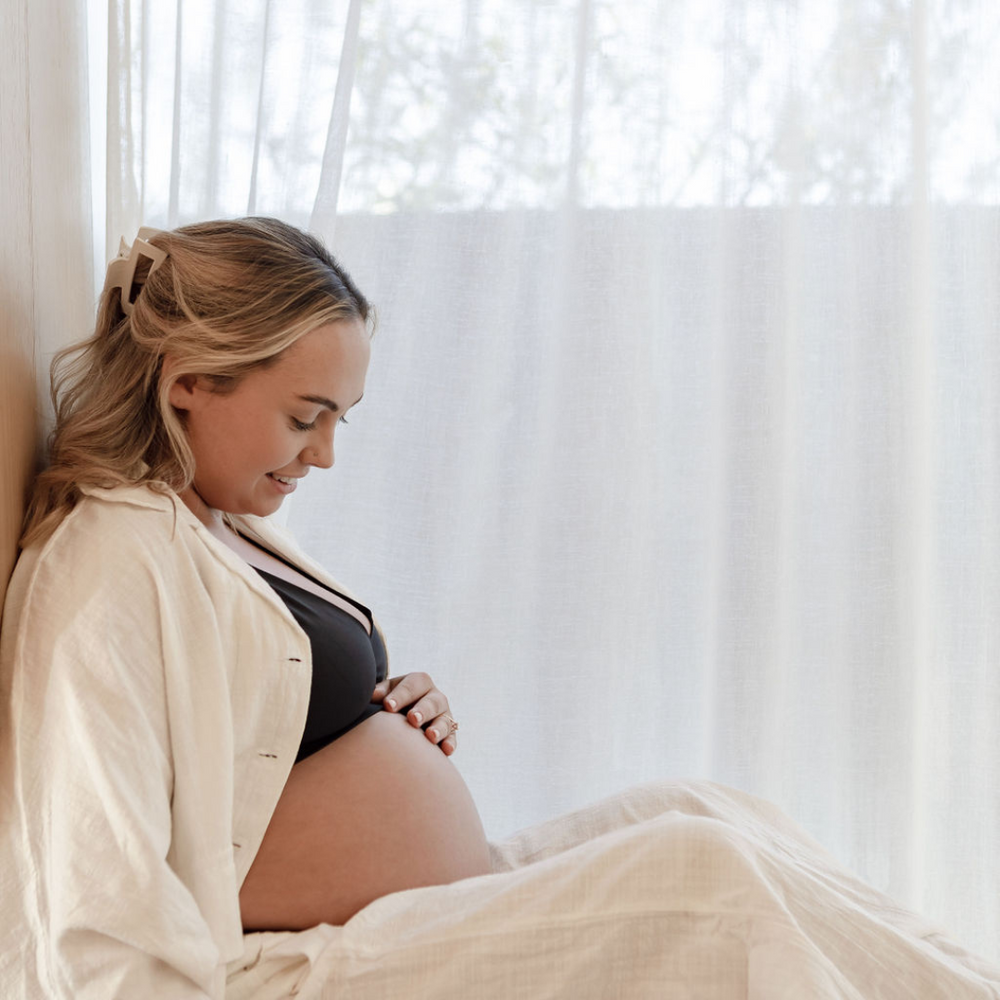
<point x="680" y="452"/>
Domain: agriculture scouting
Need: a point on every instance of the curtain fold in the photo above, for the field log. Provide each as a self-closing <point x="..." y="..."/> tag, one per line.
<point x="324" y="211"/>
<point x="678" y="454"/>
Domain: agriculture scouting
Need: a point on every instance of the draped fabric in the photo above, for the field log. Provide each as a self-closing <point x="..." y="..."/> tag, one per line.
<point x="679" y="453"/>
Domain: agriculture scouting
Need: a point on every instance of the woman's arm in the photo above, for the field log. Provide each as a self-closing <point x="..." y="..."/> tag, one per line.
<point x="91" y="770"/>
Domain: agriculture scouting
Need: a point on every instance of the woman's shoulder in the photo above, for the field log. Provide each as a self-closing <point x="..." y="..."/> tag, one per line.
<point x="121" y="520"/>
<point x="137" y="500"/>
<point x="92" y="561"/>
<point x="107" y="540"/>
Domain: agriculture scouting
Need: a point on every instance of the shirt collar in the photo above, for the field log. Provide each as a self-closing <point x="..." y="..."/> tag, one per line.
<point x="140" y="495"/>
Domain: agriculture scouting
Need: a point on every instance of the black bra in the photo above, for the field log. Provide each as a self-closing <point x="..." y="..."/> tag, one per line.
<point x="347" y="661"/>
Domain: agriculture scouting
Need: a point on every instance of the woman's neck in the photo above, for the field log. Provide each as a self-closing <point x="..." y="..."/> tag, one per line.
<point x="209" y="516"/>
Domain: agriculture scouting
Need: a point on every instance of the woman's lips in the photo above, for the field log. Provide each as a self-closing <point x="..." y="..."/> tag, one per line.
<point x="282" y="485"/>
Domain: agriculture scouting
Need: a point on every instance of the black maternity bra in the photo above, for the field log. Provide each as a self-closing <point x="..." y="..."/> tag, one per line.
<point x="347" y="661"/>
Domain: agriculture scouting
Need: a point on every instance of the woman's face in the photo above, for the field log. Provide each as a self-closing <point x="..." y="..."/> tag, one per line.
<point x="253" y="444"/>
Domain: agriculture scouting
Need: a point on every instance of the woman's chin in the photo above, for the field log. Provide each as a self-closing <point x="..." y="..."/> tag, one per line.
<point x="264" y="500"/>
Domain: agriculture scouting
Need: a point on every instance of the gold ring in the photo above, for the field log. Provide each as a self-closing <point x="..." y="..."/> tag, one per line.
<point x="452" y="725"/>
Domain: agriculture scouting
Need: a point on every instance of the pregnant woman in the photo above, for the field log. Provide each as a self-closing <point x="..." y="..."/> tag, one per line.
<point x="210" y="786"/>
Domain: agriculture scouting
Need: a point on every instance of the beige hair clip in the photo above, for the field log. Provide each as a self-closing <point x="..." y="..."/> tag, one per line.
<point x="121" y="271"/>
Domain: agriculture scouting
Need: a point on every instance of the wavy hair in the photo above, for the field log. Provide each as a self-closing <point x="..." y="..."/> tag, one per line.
<point x="230" y="297"/>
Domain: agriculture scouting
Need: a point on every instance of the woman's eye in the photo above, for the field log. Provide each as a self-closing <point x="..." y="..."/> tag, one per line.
<point x="300" y="426"/>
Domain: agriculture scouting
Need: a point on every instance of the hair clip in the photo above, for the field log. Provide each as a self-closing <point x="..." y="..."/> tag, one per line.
<point x="121" y="271"/>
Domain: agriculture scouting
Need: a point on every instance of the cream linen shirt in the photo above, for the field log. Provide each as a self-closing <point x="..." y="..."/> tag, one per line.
<point x="154" y="690"/>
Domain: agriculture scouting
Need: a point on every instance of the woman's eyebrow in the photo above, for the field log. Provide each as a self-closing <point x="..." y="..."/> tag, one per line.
<point x="328" y="403"/>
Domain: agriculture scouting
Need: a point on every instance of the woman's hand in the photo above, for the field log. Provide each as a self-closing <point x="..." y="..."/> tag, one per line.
<point x="425" y="707"/>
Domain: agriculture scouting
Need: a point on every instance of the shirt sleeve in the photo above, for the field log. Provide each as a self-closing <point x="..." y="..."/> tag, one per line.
<point x="95" y="782"/>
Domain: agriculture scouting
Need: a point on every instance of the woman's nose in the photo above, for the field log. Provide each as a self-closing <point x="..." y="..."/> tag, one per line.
<point x="319" y="451"/>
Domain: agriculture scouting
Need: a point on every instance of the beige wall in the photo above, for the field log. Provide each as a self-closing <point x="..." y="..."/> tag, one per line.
<point x="46" y="275"/>
<point x="18" y="432"/>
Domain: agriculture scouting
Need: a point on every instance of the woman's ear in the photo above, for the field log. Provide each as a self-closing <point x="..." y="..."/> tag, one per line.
<point x="184" y="389"/>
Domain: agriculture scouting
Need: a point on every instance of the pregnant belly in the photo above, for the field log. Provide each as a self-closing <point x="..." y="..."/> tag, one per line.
<point x="379" y="810"/>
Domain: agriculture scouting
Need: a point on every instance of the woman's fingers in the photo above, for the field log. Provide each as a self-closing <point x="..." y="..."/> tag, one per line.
<point x="442" y="729"/>
<point x="417" y="695"/>
<point x="426" y="707"/>
<point x="404" y="691"/>
<point x="426" y="711"/>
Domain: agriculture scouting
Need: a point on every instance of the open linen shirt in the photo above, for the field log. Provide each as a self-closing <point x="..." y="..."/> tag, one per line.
<point x="153" y="692"/>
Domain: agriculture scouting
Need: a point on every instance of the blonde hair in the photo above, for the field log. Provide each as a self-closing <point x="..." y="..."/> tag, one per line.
<point x="229" y="298"/>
